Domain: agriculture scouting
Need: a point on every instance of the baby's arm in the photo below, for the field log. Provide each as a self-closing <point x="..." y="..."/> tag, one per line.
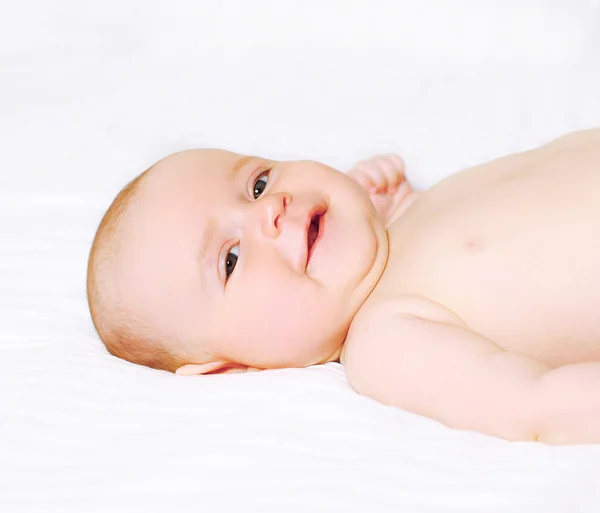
<point x="382" y="178"/>
<point x="423" y="359"/>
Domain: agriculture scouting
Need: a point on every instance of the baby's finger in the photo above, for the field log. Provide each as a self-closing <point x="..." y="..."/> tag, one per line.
<point x="393" y="173"/>
<point x="375" y="173"/>
<point x="398" y="162"/>
<point x="362" y="178"/>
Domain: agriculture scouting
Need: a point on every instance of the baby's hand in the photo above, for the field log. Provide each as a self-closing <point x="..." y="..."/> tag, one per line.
<point x="383" y="179"/>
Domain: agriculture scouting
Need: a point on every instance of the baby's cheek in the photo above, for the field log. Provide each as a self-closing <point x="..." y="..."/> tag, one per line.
<point x="279" y="305"/>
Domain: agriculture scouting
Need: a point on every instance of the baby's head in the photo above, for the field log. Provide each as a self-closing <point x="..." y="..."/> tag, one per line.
<point x="214" y="262"/>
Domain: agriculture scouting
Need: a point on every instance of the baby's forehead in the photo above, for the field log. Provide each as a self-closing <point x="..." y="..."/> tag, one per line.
<point x="191" y="171"/>
<point x="196" y="161"/>
<point x="182" y="179"/>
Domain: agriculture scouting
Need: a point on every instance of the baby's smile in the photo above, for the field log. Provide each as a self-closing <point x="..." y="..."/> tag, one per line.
<point x="315" y="232"/>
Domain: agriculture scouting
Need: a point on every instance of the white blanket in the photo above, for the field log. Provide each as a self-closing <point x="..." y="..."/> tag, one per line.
<point x="93" y="93"/>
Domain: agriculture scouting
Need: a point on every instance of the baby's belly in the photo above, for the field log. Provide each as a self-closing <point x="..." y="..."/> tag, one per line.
<point x="517" y="257"/>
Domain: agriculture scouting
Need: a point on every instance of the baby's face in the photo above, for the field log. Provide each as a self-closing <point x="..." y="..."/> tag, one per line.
<point x="248" y="261"/>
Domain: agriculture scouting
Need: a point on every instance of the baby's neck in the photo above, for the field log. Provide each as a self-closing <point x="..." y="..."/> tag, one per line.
<point x="406" y="202"/>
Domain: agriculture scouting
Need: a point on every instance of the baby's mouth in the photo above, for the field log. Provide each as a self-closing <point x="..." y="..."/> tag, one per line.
<point x="313" y="232"/>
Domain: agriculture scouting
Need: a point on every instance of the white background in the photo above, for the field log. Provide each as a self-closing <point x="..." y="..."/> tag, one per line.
<point x="92" y="93"/>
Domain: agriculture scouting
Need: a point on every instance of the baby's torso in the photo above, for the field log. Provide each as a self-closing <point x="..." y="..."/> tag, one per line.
<point x="512" y="247"/>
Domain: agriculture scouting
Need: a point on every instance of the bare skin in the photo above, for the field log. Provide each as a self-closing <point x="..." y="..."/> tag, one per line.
<point x="475" y="303"/>
<point x="487" y="315"/>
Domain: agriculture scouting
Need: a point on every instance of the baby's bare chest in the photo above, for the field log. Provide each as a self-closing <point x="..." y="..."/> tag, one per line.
<point x="513" y="249"/>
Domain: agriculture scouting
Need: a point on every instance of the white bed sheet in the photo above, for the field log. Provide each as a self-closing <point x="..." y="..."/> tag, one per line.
<point x="91" y="94"/>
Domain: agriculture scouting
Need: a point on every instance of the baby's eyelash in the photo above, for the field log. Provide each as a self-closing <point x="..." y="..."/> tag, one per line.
<point x="262" y="173"/>
<point x="231" y="259"/>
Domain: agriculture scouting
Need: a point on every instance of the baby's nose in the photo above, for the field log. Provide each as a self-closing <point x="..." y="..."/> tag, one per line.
<point x="271" y="208"/>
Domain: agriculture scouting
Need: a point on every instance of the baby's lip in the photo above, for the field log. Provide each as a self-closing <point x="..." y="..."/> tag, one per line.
<point x="318" y="210"/>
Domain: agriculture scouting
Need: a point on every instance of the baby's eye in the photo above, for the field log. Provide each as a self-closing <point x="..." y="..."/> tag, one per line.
<point x="231" y="260"/>
<point x="260" y="184"/>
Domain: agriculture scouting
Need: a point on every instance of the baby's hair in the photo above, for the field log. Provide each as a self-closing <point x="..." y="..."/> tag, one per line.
<point x="123" y="335"/>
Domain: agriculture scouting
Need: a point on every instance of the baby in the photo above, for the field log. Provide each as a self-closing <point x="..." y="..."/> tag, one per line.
<point x="476" y="302"/>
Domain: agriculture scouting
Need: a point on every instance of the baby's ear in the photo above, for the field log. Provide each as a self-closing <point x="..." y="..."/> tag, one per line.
<point x="216" y="367"/>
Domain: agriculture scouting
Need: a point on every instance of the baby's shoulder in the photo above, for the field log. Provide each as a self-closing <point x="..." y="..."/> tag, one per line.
<point x="382" y="319"/>
<point x="408" y="305"/>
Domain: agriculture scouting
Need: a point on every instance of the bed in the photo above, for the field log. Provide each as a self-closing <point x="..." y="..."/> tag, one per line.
<point x="93" y="93"/>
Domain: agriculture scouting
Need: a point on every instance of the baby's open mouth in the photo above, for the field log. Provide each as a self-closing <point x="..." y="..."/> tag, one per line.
<point x="312" y="235"/>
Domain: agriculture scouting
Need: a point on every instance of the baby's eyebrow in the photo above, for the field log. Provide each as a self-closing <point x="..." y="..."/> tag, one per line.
<point x="205" y="242"/>
<point x="239" y="164"/>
